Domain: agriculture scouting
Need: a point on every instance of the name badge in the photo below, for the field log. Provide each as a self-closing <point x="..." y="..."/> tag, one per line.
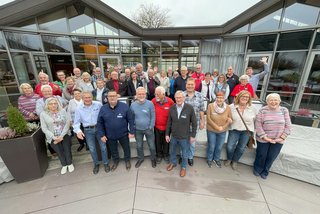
<point x="183" y="116"/>
<point x="119" y="116"/>
<point x="145" y="111"/>
<point x="166" y="108"/>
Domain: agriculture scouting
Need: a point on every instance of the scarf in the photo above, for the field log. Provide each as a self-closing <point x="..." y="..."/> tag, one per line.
<point x="218" y="109"/>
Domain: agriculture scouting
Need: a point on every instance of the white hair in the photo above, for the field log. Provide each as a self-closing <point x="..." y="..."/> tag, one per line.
<point x="46" y="86"/>
<point x="273" y="95"/>
<point x="161" y="89"/>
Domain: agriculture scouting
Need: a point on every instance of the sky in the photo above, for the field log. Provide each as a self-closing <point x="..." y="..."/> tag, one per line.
<point x="186" y="12"/>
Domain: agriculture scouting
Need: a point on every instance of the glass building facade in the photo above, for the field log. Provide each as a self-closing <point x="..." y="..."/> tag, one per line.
<point x="72" y="35"/>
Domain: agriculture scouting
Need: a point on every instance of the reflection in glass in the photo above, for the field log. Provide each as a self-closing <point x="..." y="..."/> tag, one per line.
<point x="41" y="64"/>
<point x="112" y="45"/>
<point x="262" y="43"/>
<point x="87" y="46"/>
<point x="124" y="33"/>
<point x="56" y="43"/>
<point x="269" y="22"/>
<point x="80" y="20"/>
<point x="83" y="62"/>
<point x="316" y="43"/>
<point x="2" y="44"/>
<point x="28" y="24"/>
<point x="23" y="68"/>
<point x="243" y="29"/>
<point x="151" y="47"/>
<point x="170" y="47"/>
<point x="210" y="53"/>
<point x="169" y="62"/>
<point x="130" y="46"/>
<point x="55" y="22"/>
<point x="286" y="74"/>
<point x="21" y="41"/>
<point x="109" y="62"/>
<point x="295" y="18"/>
<point x="190" y="46"/>
<point x="105" y="26"/>
<point x="294" y="41"/>
<point x="155" y="61"/>
<point x="128" y="61"/>
<point x="190" y="61"/>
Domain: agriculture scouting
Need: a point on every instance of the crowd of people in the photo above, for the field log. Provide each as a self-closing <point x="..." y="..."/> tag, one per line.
<point x="168" y="109"/>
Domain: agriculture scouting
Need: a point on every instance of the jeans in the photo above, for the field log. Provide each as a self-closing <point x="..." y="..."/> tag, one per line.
<point x="184" y="144"/>
<point x="63" y="149"/>
<point x="215" y="143"/>
<point x="236" y="144"/>
<point x="162" y="147"/>
<point x="124" y="142"/>
<point x="266" y="153"/>
<point x="91" y="137"/>
<point x="150" y="140"/>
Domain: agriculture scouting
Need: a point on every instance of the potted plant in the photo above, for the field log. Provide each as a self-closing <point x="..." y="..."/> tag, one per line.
<point x="305" y="117"/>
<point x="23" y="148"/>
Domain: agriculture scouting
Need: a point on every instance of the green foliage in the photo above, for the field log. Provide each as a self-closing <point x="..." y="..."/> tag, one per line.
<point x="16" y="120"/>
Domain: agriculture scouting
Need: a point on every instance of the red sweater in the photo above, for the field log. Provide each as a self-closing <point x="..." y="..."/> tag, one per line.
<point x="55" y="89"/>
<point x="240" y="87"/>
<point x="162" y="112"/>
<point x="198" y="79"/>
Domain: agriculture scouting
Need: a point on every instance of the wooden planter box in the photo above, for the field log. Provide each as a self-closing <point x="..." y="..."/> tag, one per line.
<point x="312" y="121"/>
<point x="26" y="157"/>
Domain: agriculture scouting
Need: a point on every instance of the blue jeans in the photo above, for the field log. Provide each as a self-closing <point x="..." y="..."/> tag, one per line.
<point x="236" y="144"/>
<point x="192" y="147"/>
<point x="266" y="153"/>
<point x="91" y="137"/>
<point x="150" y="140"/>
<point x="215" y="142"/>
<point x="124" y="142"/>
<point x="184" y="145"/>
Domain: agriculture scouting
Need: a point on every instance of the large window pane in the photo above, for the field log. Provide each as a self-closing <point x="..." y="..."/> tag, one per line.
<point x="128" y="61"/>
<point x="80" y="20"/>
<point x="286" y="74"/>
<point x="190" y="46"/>
<point x="23" y="68"/>
<point x="2" y="44"/>
<point x="294" y="41"/>
<point x="316" y="44"/>
<point x="169" y="47"/>
<point x="151" y="47"/>
<point x="21" y="41"/>
<point x="28" y="24"/>
<point x="242" y="29"/>
<point x="55" y="22"/>
<point x="57" y="43"/>
<point x="169" y="62"/>
<point x="155" y="61"/>
<point x="8" y="83"/>
<point x="83" y="62"/>
<point x="112" y="45"/>
<point x="299" y="15"/>
<point x="262" y="43"/>
<point x="191" y="61"/>
<point x="269" y="22"/>
<point x="104" y="26"/>
<point x="130" y="46"/>
<point x="84" y="45"/>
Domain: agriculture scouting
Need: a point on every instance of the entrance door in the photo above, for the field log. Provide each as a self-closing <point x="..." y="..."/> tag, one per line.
<point x="309" y="89"/>
<point x="60" y="62"/>
<point x="253" y="60"/>
<point x="108" y="62"/>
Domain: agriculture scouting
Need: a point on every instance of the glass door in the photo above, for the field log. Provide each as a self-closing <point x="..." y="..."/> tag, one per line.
<point x="109" y="62"/>
<point x="308" y="93"/>
<point x="253" y="60"/>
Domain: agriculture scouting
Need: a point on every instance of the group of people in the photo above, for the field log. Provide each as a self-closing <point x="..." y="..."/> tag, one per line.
<point x="168" y="110"/>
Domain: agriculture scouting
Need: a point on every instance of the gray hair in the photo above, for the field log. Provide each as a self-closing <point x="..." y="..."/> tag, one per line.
<point x="24" y="85"/>
<point x="49" y="100"/>
<point x="140" y="88"/>
<point x="46" y="86"/>
<point x="273" y="95"/>
<point x="179" y="92"/>
<point x="244" y="77"/>
<point x="161" y="89"/>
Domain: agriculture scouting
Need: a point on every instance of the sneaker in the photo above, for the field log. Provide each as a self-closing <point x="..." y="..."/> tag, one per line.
<point x="234" y="165"/>
<point x="218" y="163"/>
<point x="63" y="170"/>
<point x="209" y="164"/>
<point x="71" y="168"/>
<point x="227" y="162"/>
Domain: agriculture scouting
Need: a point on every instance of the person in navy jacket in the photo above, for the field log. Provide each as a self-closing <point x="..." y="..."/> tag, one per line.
<point x="113" y="121"/>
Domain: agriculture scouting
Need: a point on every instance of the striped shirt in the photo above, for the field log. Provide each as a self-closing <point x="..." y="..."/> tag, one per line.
<point x="27" y="105"/>
<point x="272" y="123"/>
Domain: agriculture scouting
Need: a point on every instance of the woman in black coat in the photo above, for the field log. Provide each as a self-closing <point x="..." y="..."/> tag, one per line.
<point x="133" y="84"/>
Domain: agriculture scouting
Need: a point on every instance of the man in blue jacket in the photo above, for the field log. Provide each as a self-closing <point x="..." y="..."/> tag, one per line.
<point x="113" y="120"/>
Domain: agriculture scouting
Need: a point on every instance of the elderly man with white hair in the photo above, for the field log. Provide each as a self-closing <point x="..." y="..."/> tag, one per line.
<point x="243" y="85"/>
<point x="44" y="80"/>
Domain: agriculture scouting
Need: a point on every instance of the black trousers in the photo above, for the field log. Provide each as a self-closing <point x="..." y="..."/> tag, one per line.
<point x="63" y="149"/>
<point x="124" y="142"/>
<point x="162" y="147"/>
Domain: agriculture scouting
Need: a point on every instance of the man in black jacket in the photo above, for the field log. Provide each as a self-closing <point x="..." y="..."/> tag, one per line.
<point x="181" y="118"/>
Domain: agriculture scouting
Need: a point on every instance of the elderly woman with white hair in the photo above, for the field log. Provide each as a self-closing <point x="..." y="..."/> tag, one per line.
<point x="27" y="102"/>
<point x="273" y="125"/>
<point x="85" y="84"/>
<point x="55" y="124"/>
<point x="243" y="85"/>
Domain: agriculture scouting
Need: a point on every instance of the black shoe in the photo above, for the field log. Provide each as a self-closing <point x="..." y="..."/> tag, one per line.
<point x="87" y="148"/>
<point x="180" y="160"/>
<point x="138" y="164"/>
<point x="190" y="162"/>
<point x="80" y="147"/>
<point x="106" y="168"/>
<point x="159" y="159"/>
<point x="114" y="166"/>
<point x="128" y="165"/>
<point x="96" y="169"/>
<point x="166" y="159"/>
<point x="153" y="163"/>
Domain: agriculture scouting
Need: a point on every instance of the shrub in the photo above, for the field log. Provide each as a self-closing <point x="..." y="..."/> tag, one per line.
<point x="16" y="121"/>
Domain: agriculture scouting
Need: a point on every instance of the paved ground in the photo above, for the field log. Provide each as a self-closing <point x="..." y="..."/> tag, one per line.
<point x="147" y="190"/>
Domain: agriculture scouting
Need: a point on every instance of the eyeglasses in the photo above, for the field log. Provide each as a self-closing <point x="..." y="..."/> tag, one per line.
<point x="247" y="97"/>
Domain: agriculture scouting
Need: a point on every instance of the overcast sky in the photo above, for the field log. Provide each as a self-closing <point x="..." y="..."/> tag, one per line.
<point x="186" y="12"/>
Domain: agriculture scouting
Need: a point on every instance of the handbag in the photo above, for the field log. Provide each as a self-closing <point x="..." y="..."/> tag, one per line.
<point x="251" y="141"/>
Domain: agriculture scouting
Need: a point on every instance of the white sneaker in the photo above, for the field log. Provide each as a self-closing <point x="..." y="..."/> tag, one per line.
<point x="71" y="168"/>
<point x="63" y="170"/>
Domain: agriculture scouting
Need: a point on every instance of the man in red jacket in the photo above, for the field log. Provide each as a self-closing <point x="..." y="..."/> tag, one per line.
<point x="162" y="105"/>
<point x="198" y="76"/>
<point x="44" y="80"/>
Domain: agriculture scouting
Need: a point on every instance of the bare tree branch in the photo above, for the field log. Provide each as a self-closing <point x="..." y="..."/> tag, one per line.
<point x="151" y="16"/>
